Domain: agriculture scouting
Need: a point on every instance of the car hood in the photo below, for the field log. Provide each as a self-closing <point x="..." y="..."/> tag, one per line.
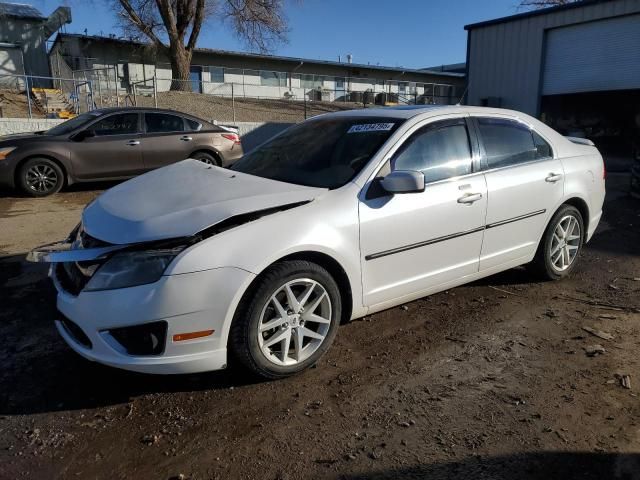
<point x="21" y="137"/>
<point x="181" y="200"/>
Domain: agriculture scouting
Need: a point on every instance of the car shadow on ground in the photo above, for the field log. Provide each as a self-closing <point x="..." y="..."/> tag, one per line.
<point x="525" y="466"/>
<point x="40" y="373"/>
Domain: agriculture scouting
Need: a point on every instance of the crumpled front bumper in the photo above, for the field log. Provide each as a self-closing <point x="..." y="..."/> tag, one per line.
<point x="202" y="301"/>
<point x="191" y="302"/>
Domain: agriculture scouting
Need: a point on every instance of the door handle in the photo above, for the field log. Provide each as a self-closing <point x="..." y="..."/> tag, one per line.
<point x="133" y="143"/>
<point x="553" y="177"/>
<point x="469" y="198"/>
<point x="186" y="138"/>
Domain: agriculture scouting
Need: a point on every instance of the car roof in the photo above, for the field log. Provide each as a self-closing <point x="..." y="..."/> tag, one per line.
<point x="410" y="111"/>
<point x="105" y="110"/>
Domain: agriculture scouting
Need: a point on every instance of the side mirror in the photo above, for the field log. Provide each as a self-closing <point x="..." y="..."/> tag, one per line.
<point x="403" y="181"/>
<point x="82" y="135"/>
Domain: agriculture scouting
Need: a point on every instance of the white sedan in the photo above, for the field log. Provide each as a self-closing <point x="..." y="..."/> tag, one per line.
<point x="338" y="217"/>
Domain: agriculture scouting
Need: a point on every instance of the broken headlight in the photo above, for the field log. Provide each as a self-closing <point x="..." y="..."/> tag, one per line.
<point x="132" y="268"/>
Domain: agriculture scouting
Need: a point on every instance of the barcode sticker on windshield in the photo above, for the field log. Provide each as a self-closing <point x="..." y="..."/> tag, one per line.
<point x="371" y="127"/>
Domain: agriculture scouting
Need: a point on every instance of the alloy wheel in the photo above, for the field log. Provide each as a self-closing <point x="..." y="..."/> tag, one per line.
<point x="565" y="242"/>
<point x="41" y="178"/>
<point x="295" y="322"/>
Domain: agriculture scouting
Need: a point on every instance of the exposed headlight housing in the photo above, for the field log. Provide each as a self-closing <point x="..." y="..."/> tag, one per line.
<point x="5" y="151"/>
<point x="132" y="268"/>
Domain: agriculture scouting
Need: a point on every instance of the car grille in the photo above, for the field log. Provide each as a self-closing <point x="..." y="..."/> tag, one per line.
<point x="87" y="241"/>
<point x="70" y="278"/>
<point x="73" y="276"/>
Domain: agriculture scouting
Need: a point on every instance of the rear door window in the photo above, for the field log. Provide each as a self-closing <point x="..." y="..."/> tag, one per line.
<point x="507" y="142"/>
<point x="163" y="123"/>
<point x="440" y="151"/>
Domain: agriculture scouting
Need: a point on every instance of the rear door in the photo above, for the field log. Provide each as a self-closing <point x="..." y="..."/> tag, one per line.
<point x="525" y="183"/>
<point x="414" y="242"/>
<point x="114" y="151"/>
<point x="166" y="139"/>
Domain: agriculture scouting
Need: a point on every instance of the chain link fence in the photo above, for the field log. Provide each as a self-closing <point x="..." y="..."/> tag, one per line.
<point x="211" y="93"/>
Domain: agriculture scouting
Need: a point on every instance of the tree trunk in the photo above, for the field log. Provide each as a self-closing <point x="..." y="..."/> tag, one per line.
<point x="180" y="66"/>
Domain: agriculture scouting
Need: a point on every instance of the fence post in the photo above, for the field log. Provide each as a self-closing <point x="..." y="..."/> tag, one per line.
<point x="233" y="103"/>
<point x="304" y="97"/>
<point x="59" y="74"/>
<point x="99" y="92"/>
<point x="155" y="91"/>
<point x="75" y="99"/>
<point x="26" y="90"/>
<point x="115" y="73"/>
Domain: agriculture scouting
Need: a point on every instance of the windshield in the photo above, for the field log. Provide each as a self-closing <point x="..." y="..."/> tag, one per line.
<point x="326" y="153"/>
<point x="70" y="125"/>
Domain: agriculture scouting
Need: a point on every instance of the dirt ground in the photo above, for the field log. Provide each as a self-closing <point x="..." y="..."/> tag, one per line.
<point x="487" y="381"/>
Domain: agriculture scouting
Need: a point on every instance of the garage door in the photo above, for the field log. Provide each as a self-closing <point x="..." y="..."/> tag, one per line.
<point x="595" y="56"/>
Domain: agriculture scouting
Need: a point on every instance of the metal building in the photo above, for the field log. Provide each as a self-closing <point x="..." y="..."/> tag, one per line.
<point x="576" y="66"/>
<point x="23" y="35"/>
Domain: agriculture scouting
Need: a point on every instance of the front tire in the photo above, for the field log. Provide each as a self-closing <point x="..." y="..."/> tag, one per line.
<point x="287" y="321"/>
<point x="40" y="177"/>
<point x="561" y="244"/>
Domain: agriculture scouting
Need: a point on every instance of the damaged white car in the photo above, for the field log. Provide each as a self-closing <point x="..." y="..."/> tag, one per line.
<point x="340" y="216"/>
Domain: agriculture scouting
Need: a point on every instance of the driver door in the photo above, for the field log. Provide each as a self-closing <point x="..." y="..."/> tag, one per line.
<point x="412" y="243"/>
<point x="113" y="152"/>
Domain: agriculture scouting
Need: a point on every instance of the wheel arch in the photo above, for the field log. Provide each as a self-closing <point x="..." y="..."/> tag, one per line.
<point x="583" y="208"/>
<point x="335" y="269"/>
<point x="65" y="171"/>
<point x="209" y="151"/>
<point x="574" y="201"/>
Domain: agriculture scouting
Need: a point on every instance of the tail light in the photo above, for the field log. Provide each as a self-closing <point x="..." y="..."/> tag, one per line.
<point x="234" y="137"/>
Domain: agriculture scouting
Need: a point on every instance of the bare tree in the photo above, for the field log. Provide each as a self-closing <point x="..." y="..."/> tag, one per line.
<point x="533" y="4"/>
<point x="173" y="26"/>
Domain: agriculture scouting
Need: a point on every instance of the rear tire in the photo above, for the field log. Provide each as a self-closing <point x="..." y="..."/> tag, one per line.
<point x="40" y="177"/>
<point x="274" y="335"/>
<point x="561" y="244"/>
<point x="207" y="158"/>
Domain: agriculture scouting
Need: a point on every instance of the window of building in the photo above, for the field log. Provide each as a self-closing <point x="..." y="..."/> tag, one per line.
<point x="216" y="74"/>
<point x="507" y="142"/>
<point x="162" y="122"/>
<point x="273" y="79"/>
<point x="402" y="88"/>
<point x="340" y="83"/>
<point x="311" y="81"/>
<point x="439" y="151"/>
<point x="120" y="124"/>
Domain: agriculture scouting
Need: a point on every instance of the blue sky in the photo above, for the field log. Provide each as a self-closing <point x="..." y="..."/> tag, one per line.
<point x="408" y="33"/>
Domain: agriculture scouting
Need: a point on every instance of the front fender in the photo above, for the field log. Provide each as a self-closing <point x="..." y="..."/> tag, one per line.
<point x="328" y="225"/>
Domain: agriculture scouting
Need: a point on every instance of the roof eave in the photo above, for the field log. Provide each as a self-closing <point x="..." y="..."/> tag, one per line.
<point x="532" y="13"/>
<point x="60" y="36"/>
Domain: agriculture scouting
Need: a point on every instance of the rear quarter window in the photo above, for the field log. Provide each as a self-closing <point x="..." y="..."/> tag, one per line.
<point x="508" y="142"/>
<point x="192" y="125"/>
